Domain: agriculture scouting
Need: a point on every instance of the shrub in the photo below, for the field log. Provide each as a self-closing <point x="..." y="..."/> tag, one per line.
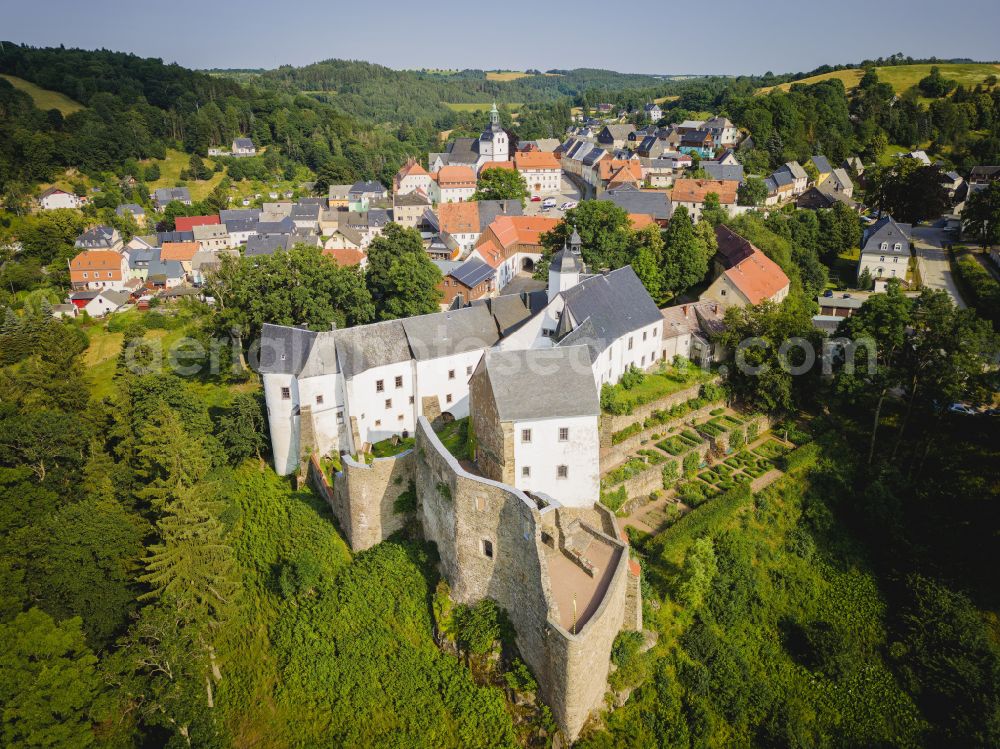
<point x="753" y="428"/>
<point x="622" y="435"/>
<point x="614" y="500"/>
<point x="691" y="462"/>
<point x="737" y="438"/>
<point x="632" y="377"/>
<point x="717" y="411"/>
<point x="691" y="493"/>
<point x="670" y="473"/>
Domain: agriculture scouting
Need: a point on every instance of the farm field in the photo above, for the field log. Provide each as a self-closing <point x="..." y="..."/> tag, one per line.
<point x="43" y="98"/>
<point x="903" y="77"/>
<point x="507" y="75"/>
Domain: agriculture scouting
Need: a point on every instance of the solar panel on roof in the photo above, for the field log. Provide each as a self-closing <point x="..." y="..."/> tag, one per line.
<point x="472" y="273"/>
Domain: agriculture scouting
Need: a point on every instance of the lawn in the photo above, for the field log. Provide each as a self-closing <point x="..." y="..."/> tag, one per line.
<point x="170" y="175"/>
<point x="43" y="98"/>
<point x="391" y="446"/>
<point x="455" y="437"/>
<point x="903" y="77"/>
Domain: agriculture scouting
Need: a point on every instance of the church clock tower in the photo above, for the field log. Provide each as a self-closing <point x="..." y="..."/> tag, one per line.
<point x="493" y="144"/>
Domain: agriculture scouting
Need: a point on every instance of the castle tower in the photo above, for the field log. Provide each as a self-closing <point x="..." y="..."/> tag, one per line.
<point x="566" y="267"/>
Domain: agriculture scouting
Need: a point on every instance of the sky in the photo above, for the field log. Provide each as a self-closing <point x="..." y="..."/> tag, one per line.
<point x="718" y="36"/>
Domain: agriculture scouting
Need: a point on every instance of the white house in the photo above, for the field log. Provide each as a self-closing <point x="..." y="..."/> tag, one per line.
<point x="244" y="147"/>
<point x="546" y="404"/>
<point x="885" y="249"/>
<point x="411" y="177"/>
<point x="106" y="301"/>
<point x="453" y="184"/>
<point x="55" y="198"/>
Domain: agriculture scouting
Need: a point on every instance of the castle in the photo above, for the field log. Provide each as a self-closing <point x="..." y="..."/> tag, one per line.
<point x="518" y="519"/>
<point x="492" y="145"/>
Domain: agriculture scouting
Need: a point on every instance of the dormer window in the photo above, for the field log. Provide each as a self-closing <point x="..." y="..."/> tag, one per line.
<point x="897" y="247"/>
<point x="885" y="246"/>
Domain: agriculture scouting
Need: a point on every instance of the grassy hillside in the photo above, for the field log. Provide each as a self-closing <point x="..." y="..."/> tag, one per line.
<point x="507" y="75"/>
<point x="43" y="98"/>
<point x="903" y="77"/>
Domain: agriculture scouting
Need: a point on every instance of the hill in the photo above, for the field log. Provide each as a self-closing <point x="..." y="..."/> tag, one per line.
<point x="903" y="77"/>
<point x="43" y="98"/>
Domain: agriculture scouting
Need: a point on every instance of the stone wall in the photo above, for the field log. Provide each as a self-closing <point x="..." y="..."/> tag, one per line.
<point x="494" y="438"/>
<point x="364" y="497"/>
<point x="460" y="512"/>
<point x="611" y="423"/>
<point x="614" y="455"/>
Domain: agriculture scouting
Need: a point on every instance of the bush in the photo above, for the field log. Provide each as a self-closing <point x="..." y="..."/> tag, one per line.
<point x="622" y="435"/>
<point x="737" y="438"/>
<point x="477" y="628"/>
<point x="670" y="473"/>
<point x="691" y="463"/>
<point x="717" y="412"/>
<point x="614" y="500"/>
<point x="985" y="291"/>
<point x="632" y="377"/>
<point x="691" y="493"/>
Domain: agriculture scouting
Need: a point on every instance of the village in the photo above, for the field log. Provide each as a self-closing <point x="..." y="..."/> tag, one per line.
<point x="549" y="403"/>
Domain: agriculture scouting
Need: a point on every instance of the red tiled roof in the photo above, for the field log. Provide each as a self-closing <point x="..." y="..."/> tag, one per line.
<point x="346" y="256"/>
<point x="612" y="167"/>
<point x="187" y="223"/>
<point x="178" y="250"/>
<point x="455" y="176"/>
<point x="96" y="260"/>
<point x="695" y="190"/>
<point x="640" y="220"/>
<point x="459" y="218"/>
<point x="497" y="165"/>
<point x="757" y="277"/>
<point x="535" y="160"/>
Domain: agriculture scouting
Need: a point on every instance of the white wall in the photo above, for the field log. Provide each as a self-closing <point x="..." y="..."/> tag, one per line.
<point x="580" y="454"/>
<point x="892" y="266"/>
<point x="283" y="421"/>
<point x="329" y="430"/>
<point x="645" y="351"/>
<point x="432" y="379"/>
<point x="368" y="405"/>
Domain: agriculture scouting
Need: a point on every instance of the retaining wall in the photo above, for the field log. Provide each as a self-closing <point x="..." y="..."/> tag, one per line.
<point x="365" y="494"/>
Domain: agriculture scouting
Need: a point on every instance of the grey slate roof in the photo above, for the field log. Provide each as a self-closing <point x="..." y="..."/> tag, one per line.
<point x="167" y="269"/>
<point x="240" y="225"/>
<point x="243" y="143"/>
<point x="886" y="229"/>
<point x="655" y="204"/>
<point x="490" y="209"/>
<point x="452" y="332"/>
<point x="284" y="226"/>
<point x="174" y="236"/>
<point x="267" y="244"/>
<point x="165" y="194"/>
<point x="615" y="304"/>
<point x="365" y="347"/>
<point x="511" y="311"/>
<point x="820" y="162"/>
<point x="238" y="214"/>
<point x="795" y="169"/>
<point x="542" y="383"/>
<point x="723" y="171"/>
<point x="130" y="208"/>
<point x="284" y="349"/>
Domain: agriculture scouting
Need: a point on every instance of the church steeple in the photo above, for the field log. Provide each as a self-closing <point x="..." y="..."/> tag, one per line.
<point x="494" y="116"/>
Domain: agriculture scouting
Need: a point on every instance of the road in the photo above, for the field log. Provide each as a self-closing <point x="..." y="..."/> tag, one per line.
<point x="932" y="259"/>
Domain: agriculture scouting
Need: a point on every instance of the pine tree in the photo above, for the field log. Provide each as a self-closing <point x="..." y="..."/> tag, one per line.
<point x="170" y="459"/>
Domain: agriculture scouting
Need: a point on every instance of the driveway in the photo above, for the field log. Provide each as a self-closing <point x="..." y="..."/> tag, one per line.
<point x="932" y="259"/>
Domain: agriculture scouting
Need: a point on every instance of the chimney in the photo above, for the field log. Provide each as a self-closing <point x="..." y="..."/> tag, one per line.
<point x="715" y="308"/>
<point x="684" y="309"/>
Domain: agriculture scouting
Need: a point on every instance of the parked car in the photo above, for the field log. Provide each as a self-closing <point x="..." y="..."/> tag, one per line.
<point x="828" y="293"/>
<point x="567" y="205"/>
<point x="549" y="203"/>
<point x="536" y="199"/>
<point x="961" y="408"/>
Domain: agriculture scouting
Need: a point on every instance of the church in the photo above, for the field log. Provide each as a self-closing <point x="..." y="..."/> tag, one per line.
<point x="492" y="145"/>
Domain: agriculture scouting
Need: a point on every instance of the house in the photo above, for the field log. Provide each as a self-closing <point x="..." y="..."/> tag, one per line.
<point x="920" y="156"/>
<point x="794" y="171"/>
<point x="837" y="188"/>
<point x="458" y="225"/>
<point x="239" y="230"/>
<point x="541" y="171"/>
<point x="187" y="223"/>
<point x="535" y="416"/>
<point x="724" y="132"/>
<point x="347" y="256"/>
<point x="173" y="236"/>
<point x="885" y="249"/>
<point x="614" y="136"/>
<point x="367" y="191"/>
<point x="305" y="215"/>
<point x="164" y="274"/>
<point x="54" y="198"/>
<point x="661" y="171"/>
<point x="982" y="177"/>
<point x="60" y="311"/>
<point x="512" y="244"/>
<point x="855" y="165"/>
<point x="165" y="195"/>
<point x="823" y="168"/>
<point x="204" y="262"/>
<point x="344" y="238"/>
<point x="80" y="299"/>
<point x="98" y="270"/>
<point x="408" y="208"/>
<point x="723" y="172"/>
<point x="338" y="196"/>
<point x="689" y="329"/>
<point x="453" y="184"/>
<point x="243" y="147"/>
<point x="700" y="142"/>
<point x="136" y="212"/>
<point x="951" y="182"/>
<point x="212" y="237"/>
<point x="747" y="276"/>
<point x="106" y="301"/>
<point x="182" y="252"/>
<point x="472" y="279"/>
<point x="654" y="203"/>
<point x="727" y="158"/>
<point x="410" y="177"/>
<point x="99" y="238"/>
<point x="653" y="112"/>
<point x="267" y="244"/>
<point x="614" y="173"/>
<point x="691" y="194"/>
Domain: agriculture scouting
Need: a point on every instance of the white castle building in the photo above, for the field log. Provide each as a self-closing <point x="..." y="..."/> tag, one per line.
<point x="492" y="145"/>
<point x="340" y="390"/>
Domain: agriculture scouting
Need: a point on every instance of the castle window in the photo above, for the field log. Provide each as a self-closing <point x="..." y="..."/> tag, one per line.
<point x="411" y="400"/>
<point x="564" y="434"/>
<point x="644" y="333"/>
<point x="379" y="386"/>
<point x="468" y="370"/>
<point x="399" y="381"/>
<point x="378" y="422"/>
<point x="562" y="472"/>
<point x="447" y="398"/>
<point x="286" y="394"/>
<point x="525" y="435"/>
<point x="488" y="548"/>
<point x="630" y="343"/>
<point x="319" y="400"/>
<point x="451" y="374"/>
<point x="399" y="418"/>
<point x="388" y="402"/>
<point x="525" y="472"/>
<point x="340" y="417"/>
